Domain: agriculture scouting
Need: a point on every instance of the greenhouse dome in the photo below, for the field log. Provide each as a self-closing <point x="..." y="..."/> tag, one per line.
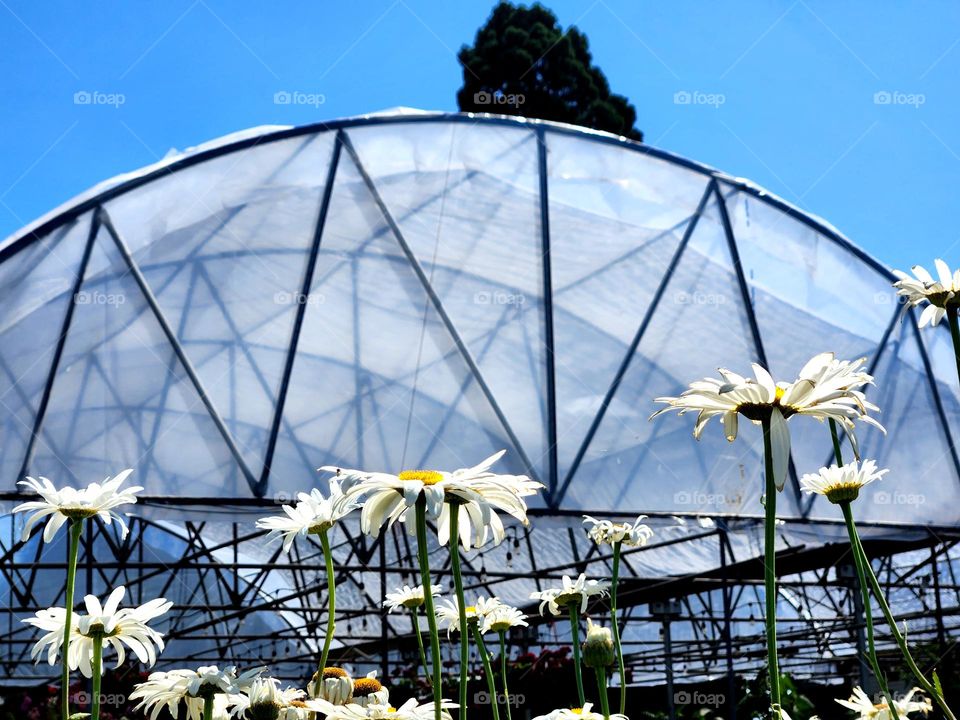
<point x="422" y="290"/>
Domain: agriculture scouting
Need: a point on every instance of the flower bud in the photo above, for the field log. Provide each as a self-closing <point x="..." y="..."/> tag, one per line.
<point x="598" y="649"/>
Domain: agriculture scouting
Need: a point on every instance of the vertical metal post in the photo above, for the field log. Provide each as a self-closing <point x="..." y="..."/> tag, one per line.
<point x="859" y="624"/>
<point x="550" y="372"/>
<point x="727" y="592"/>
<point x="935" y="573"/>
<point x="384" y="643"/>
<point x="668" y="653"/>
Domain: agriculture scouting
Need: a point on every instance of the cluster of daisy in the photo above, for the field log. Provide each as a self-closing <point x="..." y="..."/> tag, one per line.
<point x="256" y="696"/>
<point x="826" y="389"/>
<point x="80" y="638"/>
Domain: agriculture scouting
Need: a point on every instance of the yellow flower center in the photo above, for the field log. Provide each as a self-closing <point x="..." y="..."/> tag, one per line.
<point x="843" y="492"/>
<point x="366" y="686"/>
<point x="780" y="393"/>
<point x="941" y="299"/>
<point x="470" y="609"/>
<point x="78" y="513"/>
<point x="577" y="711"/>
<point x="427" y="477"/>
<point x="334" y="672"/>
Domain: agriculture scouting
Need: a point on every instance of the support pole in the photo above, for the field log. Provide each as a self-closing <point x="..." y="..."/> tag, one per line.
<point x="668" y="653"/>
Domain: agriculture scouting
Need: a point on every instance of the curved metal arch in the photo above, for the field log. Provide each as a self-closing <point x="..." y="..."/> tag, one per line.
<point x="17" y="242"/>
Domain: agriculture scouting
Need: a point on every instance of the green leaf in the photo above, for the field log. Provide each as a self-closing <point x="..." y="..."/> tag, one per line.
<point x="936" y="684"/>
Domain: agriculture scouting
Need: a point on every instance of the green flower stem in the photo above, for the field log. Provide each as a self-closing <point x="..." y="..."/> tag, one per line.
<point x="208" y="707"/>
<point x="616" y="625"/>
<point x="97" y="667"/>
<point x="503" y="671"/>
<point x="331" y="610"/>
<point x="955" y="332"/>
<point x="867" y="612"/>
<point x="836" y="442"/>
<point x="770" y="575"/>
<point x="415" y="619"/>
<point x="897" y="635"/>
<point x="575" y="639"/>
<point x="864" y="588"/>
<point x="461" y="604"/>
<point x="75" y="528"/>
<point x="487" y="670"/>
<point x="424" y="560"/>
<point x="601" y="674"/>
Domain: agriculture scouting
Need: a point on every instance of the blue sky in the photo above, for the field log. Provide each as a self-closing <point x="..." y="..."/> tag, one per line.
<point x="792" y="94"/>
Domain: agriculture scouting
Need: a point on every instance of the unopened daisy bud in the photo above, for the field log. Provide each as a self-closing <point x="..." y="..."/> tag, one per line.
<point x="336" y="687"/>
<point x="598" y="649"/>
<point x="369" y="691"/>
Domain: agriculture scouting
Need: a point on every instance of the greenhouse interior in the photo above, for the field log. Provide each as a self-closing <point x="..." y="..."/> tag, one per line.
<point x="418" y="290"/>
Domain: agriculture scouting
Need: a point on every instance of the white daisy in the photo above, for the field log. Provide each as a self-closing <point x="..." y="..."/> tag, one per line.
<point x="369" y="691"/>
<point x="584" y="713"/>
<point x="409" y="597"/>
<point x="605" y="532"/>
<point x="190" y="688"/>
<point x="410" y="710"/>
<point x="117" y="627"/>
<point x="825" y="389"/>
<point x="69" y="503"/>
<point x="478" y="494"/>
<point x="53" y="621"/>
<point x="448" y="611"/>
<point x="312" y="515"/>
<point x="785" y="716"/>
<point x="841" y="484"/>
<point x="501" y="618"/>
<point x="265" y="698"/>
<point x="336" y="686"/>
<point x="940" y="293"/>
<point x="861" y="703"/>
<point x="571" y="592"/>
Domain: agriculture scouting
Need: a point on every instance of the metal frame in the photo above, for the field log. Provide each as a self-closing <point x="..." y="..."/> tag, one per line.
<point x="240" y="600"/>
<point x="246" y="603"/>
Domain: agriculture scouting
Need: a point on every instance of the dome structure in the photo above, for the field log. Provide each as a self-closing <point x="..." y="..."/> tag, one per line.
<point x="423" y="290"/>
